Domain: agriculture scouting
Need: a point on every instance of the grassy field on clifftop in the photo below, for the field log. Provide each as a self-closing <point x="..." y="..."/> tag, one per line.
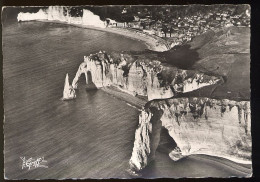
<point x="223" y="53"/>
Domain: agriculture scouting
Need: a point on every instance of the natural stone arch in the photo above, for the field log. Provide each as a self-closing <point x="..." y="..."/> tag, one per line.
<point x="89" y="77"/>
<point x="197" y="126"/>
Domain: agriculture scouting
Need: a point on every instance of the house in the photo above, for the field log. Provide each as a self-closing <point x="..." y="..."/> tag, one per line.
<point x="218" y="18"/>
<point x="168" y="34"/>
<point x="228" y="25"/>
<point x="174" y="35"/>
<point x="136" y="18"/>
<point x="121" y="25"/>
<point x="124" y="11"/>
<point x="150" y="32"/>
<point x="206" y="16"/>
<point x="187" y="37"/>
<point x="181" y="35"/>
<point x="135" y="25"/>
<point x="235" y="17"/>
<point x="159" y="33"/>
<point x="224" y="14"/>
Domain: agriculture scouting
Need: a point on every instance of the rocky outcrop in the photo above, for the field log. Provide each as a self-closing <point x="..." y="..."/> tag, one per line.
<point x="68" y="92"/>
<point x="139" y="76"/>
<point x="198" y="126"/>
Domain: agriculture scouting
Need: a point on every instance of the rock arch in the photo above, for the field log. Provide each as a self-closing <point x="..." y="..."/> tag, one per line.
<point x="203" y="130"/>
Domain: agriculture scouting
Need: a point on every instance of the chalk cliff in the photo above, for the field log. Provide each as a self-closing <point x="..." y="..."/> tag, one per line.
<point x="40" y="15"/>
<point x="62" y="14"/>
<point x="140" y="75"/>
<point x="198" y="125"/>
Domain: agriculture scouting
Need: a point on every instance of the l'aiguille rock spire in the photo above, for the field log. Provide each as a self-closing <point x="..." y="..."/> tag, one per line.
<point x="68" y="92"/>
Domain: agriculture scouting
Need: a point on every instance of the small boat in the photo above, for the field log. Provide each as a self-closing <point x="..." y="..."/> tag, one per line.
<point x="68" y="92"/>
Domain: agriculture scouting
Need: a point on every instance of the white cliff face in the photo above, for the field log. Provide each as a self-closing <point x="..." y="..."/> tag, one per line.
<point x="188" y="84"/>
<point x="68" y="92"/>
<point x="80" y="71"/>
<point x="136" y="80"/>
<point x="91" y="19"/>
<point x="139" y="78"/>
<point x="219" y="128"/>
<point x="61" y="13"/>
<point x="155" y="90"/>
<point x="53" y="13"/>
<point x="40" y="15"/>
<point x="142" y="148"/>
<point x="56" y="13"/>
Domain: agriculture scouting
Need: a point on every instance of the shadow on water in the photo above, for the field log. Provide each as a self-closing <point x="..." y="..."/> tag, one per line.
<point x="86" y="83"/>
<point x="182" y="57"/>
<point x="90" y="85"/>
<point x="166" y="145"/>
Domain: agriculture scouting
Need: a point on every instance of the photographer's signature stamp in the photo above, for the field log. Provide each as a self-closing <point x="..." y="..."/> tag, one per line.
<point x="33" y="163"/>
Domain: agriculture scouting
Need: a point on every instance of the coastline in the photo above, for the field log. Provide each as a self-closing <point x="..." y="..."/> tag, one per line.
<point x="151" y="41"/>
<point x="129" y="99"/>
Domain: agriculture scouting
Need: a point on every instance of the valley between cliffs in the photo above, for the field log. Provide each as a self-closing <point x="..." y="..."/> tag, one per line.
<point x="204" y="104"/>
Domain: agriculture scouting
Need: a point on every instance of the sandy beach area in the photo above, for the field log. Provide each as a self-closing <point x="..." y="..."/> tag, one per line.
<point x="153" y="42"/>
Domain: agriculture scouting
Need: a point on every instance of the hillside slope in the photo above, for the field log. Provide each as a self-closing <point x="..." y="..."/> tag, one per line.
<point x="226" y="54"/>
<point x="223" y="53"/>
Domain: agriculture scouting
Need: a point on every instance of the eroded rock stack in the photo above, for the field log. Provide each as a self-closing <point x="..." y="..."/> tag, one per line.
<point x="68" y="92"/>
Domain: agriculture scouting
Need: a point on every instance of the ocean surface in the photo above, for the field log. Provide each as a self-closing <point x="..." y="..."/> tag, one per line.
<point x="90" y="137"/>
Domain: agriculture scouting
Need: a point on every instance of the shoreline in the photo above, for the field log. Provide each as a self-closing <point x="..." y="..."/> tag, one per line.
<point x="129" y="99"/>
<point x="151" y="41"/>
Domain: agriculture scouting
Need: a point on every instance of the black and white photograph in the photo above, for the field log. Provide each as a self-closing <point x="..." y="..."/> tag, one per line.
<point x="126" y="91"/>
